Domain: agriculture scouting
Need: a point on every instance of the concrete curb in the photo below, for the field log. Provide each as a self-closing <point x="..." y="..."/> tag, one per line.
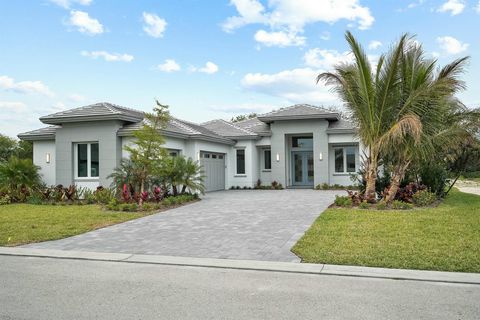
<point x="304" y="268"/>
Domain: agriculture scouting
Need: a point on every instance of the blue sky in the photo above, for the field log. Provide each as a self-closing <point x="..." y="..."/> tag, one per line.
<point x="206" y="59"/>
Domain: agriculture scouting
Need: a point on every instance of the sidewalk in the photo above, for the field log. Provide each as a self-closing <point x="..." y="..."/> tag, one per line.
<point x="305" y="268"/>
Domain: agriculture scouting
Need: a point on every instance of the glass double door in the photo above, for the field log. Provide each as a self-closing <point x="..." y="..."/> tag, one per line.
<point x="302" y="168"/>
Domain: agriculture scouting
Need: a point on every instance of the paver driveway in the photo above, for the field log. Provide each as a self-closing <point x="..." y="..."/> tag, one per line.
<point x="243" y="224"/>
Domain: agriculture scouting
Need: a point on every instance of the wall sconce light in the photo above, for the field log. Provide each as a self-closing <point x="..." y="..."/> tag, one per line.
<point x="320" y="156"/>
<point x="278" y="157"/>
<point x="47" y="157"/>
<point x="198" y="156"/>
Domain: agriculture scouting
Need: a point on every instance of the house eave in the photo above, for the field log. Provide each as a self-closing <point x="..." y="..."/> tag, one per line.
<point x="270" y="119"/>
<point x="88" y="118"/>
<point x="334" y="131"/>
<point x="38" y="137"/>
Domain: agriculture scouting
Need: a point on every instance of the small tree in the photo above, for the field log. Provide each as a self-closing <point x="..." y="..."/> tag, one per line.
<point x="148" y="150"/>
<point x="7" y="147"/>
<point x="243" y="117"/>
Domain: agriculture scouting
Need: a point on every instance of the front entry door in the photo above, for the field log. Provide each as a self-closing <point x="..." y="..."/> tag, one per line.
<point x="302" y="168"/>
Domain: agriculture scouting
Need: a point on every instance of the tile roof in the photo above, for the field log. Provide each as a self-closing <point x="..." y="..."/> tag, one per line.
<point x="93" y="112"/>
<point x="254" y="125"/>
<point x="47" y="133"/>
<point x="228" y="129"/>
<point x="341" y="125"/>
<point x="298" y="112"/>
<point x="180" y="128"/>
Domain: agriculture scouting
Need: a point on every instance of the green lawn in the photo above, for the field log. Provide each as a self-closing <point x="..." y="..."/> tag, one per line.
<point x="24" y="223"/>
<point x="443" y="238"/>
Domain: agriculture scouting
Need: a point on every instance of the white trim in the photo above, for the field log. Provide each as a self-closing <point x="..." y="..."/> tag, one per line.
<point x="264" y="169"/>
<point x="343" y="148"/>
<point x="89" y="161"/>
<point x="244" y="173"/>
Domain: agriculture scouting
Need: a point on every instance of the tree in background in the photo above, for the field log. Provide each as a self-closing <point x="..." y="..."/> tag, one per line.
<point x="243" y="117"/>
<point x="7" y="147"/>
<point x="147" y="151"/>
<point x="10" y="147"/>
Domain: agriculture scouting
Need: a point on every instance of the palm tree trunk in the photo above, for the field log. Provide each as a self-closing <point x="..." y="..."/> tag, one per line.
<point x="142" y="188"/>
<point x="397" y="177"/>
<point x="184" y="188"/>
<point x="371" y="178"/>
<point x="175" y="191"/>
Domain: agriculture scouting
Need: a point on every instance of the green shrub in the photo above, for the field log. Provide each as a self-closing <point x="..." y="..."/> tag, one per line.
<point x="381" y="205"/>
<point x="104" y="195"/>
<point x="343" y="201"/>
<point x="434" y="176"/>
<point x="35" y="198"/>
<point x="5" y="199"/>
<point x="87" y="195"/>
<point x="364" y="205"/>
<point x="400" y="205"/>
<point x="113" y="205"/>
<point x="424" y="198"/>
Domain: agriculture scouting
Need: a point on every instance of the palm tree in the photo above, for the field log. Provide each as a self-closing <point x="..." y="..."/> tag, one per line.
<point x="427" y="97"/>
<point x="370" y="95"/>
<point x="399" y="108"/>
<point x="16" y="173"/>
<point x="192" y="177"/>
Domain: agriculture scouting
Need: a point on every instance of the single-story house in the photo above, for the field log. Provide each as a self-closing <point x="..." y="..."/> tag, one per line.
<point x="298" y="146"/>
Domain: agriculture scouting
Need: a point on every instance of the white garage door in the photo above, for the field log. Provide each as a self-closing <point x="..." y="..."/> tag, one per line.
<point x="214" y="170"/>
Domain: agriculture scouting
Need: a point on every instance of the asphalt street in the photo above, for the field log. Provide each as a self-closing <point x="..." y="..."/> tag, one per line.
<point x="47" y="288"/>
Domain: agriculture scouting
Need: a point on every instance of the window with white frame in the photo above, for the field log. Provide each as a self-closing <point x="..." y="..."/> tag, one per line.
<point x="345" y="159"/>
<point x="267" y="159"/>
<point x="87" y="162"/>
<point x="240" y="156"/>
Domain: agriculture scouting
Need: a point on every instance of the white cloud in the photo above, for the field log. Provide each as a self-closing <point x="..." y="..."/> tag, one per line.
<point x="84" y="23"/>
<point x="374" y="44"/>
<point x="75" y="97"/>
<point x="454" y="6"/>
<point x="250" y="11"/>
<point x="295" y="14"/>
<point x="450" y="45"/>
<point x="68" y="3"/>
<point x="12" y="106"/>
<point x="325" y="35"/>
<point x="154" y="25"/>
<point x="110" y="57"/>
<point x="279" y="39"/>
<point x="25" y="87"/>
<point x="326" y="59"/>
<point x="295" y="86"/>
<point x="169" y="66"/>
<point x="477" y="8"/>
<point x="209" y="68"/>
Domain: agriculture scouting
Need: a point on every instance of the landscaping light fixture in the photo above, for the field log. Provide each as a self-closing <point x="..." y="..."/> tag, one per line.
<point x="47" y="157"/>
<point x="278" y="157"/>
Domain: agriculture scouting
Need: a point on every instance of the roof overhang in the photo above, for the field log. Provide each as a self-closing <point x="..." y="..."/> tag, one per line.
<point x="36" y="137"/>
<point x="86" y="118"/>
<point x="270" y="119"/>
<point x="172" y="134"/>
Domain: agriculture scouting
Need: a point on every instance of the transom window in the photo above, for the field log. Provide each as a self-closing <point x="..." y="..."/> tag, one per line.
<point x="302" y="142"/>
<point x="267" y="159"/>
<point x="345" y="159"/>
<point x="88" y="164"/>
<point x="240" y="156"/>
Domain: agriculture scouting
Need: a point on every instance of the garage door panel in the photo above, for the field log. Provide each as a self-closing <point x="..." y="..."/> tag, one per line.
<point x="214" y="170"/>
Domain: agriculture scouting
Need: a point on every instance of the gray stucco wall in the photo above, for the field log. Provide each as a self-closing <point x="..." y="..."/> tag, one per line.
<point x="110" y="148"/>
<point x="279" y="139"/>
<point x="40" y="150"/>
